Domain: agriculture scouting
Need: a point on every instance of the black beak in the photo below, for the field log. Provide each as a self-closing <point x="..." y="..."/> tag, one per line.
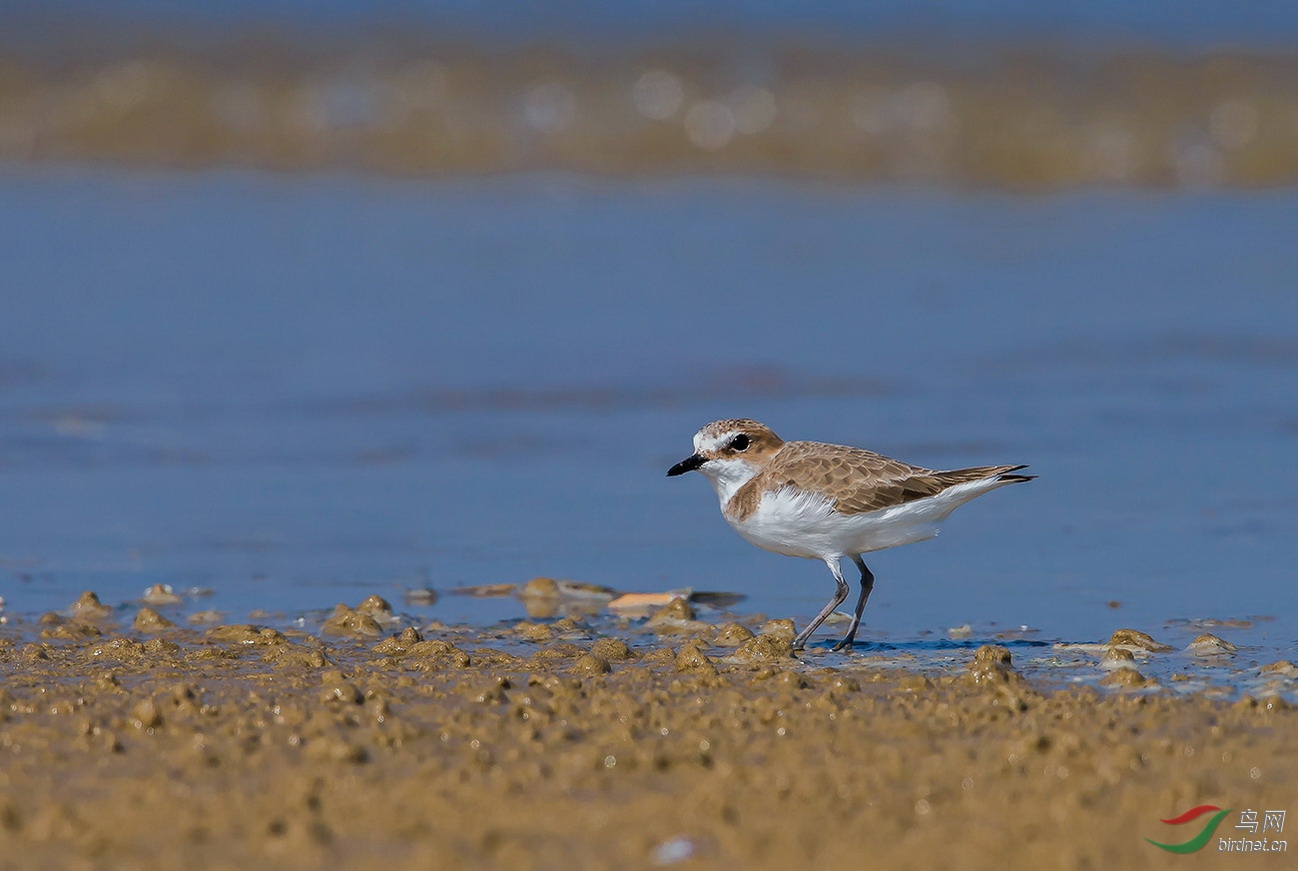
<point x="689" y="464"/>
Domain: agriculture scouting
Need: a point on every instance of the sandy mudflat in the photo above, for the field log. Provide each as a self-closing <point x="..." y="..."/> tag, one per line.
<point x="1019" y="119"/>
<point x="151" y="747"/>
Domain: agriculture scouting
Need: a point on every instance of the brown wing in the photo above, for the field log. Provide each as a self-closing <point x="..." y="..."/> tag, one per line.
<point x="914" y="486"/>
<point x="857" y="479"/>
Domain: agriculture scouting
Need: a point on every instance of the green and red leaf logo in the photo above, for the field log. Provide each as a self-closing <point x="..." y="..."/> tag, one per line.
<point x="1199" y="840"/>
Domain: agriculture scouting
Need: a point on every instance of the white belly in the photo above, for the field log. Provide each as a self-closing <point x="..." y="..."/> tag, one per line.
<point x="798" y="523"/>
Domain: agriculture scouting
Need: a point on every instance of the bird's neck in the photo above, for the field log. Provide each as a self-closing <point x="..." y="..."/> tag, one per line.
<point x="727" y="476"/>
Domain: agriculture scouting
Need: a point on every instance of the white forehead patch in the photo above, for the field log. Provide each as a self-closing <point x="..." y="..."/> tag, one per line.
<point x="705" y="443"/>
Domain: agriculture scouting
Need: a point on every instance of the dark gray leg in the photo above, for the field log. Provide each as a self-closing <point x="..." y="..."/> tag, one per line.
<point x="867" y="584"/>
<point x="840" y="595"/>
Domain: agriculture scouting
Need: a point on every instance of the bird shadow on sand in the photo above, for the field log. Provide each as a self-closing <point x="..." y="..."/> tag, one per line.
<point x="937" y="645"/>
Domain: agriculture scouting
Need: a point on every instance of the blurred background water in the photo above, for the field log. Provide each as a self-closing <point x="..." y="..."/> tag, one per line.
<point x="303" y="302"/>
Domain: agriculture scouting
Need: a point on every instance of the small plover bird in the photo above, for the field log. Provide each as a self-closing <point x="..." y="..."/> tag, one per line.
<point x="825" y="502"/>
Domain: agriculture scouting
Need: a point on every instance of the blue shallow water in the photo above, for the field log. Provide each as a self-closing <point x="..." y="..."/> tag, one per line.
<point x="299" y="390"/>
<point x="1190" y="24"/>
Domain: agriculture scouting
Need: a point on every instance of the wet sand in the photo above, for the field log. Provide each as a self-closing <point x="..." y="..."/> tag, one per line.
<point x="1025" y="119"/>
<point x="148" y="745"/>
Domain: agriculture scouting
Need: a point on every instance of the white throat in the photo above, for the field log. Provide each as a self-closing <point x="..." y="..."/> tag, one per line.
<point x="727" y="476"/>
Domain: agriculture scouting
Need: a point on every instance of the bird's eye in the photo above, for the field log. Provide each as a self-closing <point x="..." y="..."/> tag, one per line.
<point x="739" y="443"/>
